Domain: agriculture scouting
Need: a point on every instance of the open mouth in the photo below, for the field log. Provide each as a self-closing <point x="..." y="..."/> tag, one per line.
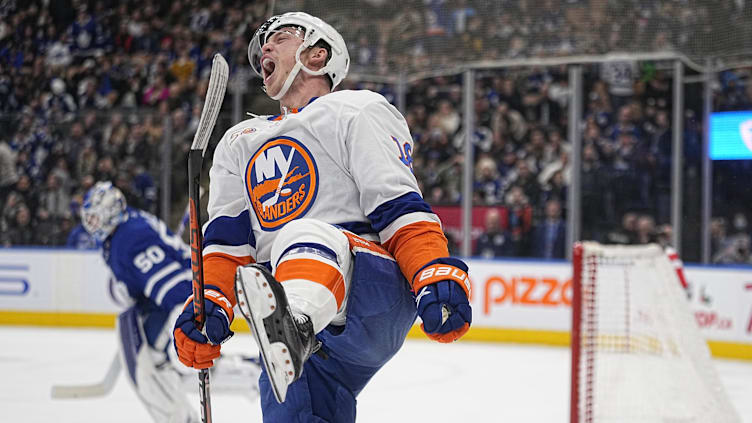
<point x="268" y="66"/>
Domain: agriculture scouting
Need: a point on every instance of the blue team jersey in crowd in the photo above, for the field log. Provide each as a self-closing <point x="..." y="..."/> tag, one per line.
<point x="80" y="239"/>
<point x="151" y="262"/>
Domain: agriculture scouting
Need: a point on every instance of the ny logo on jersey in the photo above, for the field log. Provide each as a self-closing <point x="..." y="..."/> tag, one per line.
<point x="281" y="180"/>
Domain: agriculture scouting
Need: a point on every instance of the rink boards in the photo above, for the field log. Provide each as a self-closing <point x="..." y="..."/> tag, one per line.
<point x="513" y="300"/>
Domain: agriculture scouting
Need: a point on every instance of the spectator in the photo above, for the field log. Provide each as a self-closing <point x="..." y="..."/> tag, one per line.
<point x="53" y="198"/>
<point x="645" y="230"/>
<point x="663" y="235"/>
<point x="20" y="231"/>
<point x="620" y="77"/>
<point x="627" y="234"/>
<point x="46" y="229"/>
<point x="27" y="193"/>
<point x="447" y="118"/>
<point x="487" y="188"/>
<point x="555" y="189"/>
<point x="718" y="237"/>
<point x="12" y="203"/>
<point x="8" y="173"/>
<point x="549" y="236"/>
<point x="736" y="250"/>
<point x="527" y="181"/>
<point x="520" y="219"/>
<point x="494" y="242"/>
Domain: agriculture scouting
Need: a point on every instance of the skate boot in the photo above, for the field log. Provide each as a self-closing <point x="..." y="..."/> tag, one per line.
<point x="285" y="340"/>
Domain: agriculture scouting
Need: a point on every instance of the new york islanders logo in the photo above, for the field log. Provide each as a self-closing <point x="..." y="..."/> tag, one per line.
<point x="282" y="181"/>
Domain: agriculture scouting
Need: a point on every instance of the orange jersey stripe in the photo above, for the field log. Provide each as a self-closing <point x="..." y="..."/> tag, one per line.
<point x="356" y="241"/>
<point x="316" y="271"/>
<point x="416" y="244"/>
<point x="219" y="270"/>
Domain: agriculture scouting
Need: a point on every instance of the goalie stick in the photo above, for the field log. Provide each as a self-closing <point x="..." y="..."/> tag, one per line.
<point x="98" y="389"/>
<point x="214" y="96"/>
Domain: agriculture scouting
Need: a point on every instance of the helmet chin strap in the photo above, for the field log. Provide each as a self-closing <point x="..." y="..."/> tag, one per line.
<point x="288" y="81"/>
<point x="294" y="72"/>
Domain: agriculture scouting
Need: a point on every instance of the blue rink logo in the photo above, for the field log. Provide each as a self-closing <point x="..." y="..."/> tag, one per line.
<point x="13" y="279"/>
<point x="281" y="180"/>
<point x="731" y="135"/>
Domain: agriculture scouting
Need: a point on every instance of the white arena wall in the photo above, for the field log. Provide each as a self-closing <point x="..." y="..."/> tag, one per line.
<point x="513" y="300"/>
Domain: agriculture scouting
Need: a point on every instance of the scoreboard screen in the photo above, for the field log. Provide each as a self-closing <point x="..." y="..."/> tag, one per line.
<point x="731" y="135"/>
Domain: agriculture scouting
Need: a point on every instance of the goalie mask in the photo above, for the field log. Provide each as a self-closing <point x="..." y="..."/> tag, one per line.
<point x="103" y="210"/>
<point x="311" y="30"/>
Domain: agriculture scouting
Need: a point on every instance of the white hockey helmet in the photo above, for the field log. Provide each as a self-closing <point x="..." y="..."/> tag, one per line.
<point x="103" y="210"/>
<point x="314" y="30"/>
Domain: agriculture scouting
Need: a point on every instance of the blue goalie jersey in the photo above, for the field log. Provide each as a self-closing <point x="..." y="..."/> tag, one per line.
<point x="151" y="265"/>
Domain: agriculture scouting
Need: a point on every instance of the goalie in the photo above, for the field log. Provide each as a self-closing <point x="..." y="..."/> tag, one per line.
<point x="152" y="277"/>
<point x="318" y="232"/>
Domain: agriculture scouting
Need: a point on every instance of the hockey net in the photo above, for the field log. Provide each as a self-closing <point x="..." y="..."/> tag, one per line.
<point x="637" y="354"/>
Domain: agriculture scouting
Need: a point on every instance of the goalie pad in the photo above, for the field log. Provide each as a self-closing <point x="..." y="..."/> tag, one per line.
<point x="155" y="380"/>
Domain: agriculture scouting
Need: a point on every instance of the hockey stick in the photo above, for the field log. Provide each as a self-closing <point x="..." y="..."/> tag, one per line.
<point x="214" y="96"/>
<point x="186" y="216"/>
<point x="91" y="390"/>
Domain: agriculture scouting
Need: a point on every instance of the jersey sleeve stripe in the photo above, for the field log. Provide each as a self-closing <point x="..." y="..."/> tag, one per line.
<point x="387" y="233"/>
<point x="389" y="211"/>
<point x="230" y="250"/>
<point x="163" y="290"/>
<point x="358" y="228"/>
<point x="159" y="275"/>
<point x="226" y="230"/>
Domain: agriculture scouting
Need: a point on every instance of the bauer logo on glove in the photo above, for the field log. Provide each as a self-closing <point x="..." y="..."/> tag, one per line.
<point x="443" y="289"/>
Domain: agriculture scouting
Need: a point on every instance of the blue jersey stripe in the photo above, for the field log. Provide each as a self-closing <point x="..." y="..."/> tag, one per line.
<point x="388" y="212"/>
<point x="226" y="230"/>
<point x="311" y="247"/>
<point x="358" y="228"/>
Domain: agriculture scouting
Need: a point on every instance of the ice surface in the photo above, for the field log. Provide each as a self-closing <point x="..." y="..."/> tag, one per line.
<point x="426" y="381"/>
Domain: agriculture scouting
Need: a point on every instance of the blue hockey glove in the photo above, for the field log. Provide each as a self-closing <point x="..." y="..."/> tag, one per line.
<point x="194" y="350"/>
<point x="442" y="290"/>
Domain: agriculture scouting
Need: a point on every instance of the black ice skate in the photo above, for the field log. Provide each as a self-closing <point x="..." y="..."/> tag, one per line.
<point x="284" y="339"/>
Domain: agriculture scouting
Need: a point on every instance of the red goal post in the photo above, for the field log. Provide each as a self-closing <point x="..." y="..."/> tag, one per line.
<point x="637" y="354"/>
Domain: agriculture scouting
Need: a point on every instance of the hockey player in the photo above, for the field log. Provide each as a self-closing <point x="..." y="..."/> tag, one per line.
<point x="152" y="278"/>
<point x="318" y="232"/>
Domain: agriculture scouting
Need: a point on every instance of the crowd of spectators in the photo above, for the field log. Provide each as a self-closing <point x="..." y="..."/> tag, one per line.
<point x="441" y="34"/>
<point x="86" y="88"/>
<point x="90" y="90"/>
<point x="522" y="156"/>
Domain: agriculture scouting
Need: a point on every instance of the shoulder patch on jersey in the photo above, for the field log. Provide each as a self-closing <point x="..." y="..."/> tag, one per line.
<point x="244" y="131"/>
<point x="281" y="181"/>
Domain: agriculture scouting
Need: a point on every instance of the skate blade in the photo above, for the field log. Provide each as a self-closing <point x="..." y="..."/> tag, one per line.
<point x="256" y="302"/>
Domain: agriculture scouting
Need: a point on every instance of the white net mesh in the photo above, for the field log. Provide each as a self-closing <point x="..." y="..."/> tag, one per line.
<point x="434" y="36"/>
<point x="641" y="357"/>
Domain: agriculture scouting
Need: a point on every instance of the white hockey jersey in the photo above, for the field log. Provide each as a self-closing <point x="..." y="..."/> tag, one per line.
<point x="344" y="159"/>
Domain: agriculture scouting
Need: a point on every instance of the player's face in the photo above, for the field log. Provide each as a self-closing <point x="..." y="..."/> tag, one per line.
<point x="279" y="57"/>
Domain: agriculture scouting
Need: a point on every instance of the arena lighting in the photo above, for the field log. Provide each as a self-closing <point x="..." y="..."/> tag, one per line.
<point x="731" y="135"/>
